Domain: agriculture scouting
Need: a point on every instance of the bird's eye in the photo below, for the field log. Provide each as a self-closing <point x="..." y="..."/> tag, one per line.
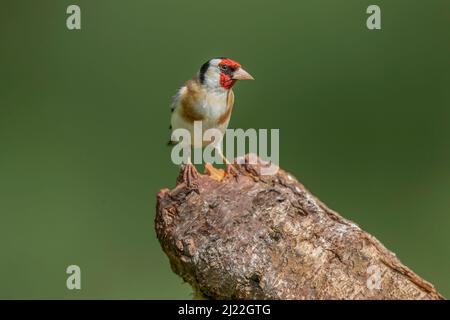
<point x="224" y="67"/>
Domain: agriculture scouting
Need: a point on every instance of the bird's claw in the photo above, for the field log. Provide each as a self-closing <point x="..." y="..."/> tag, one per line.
<point x="232" y="171"/>
<point x="190" y="174"/>
<point x="216" y="174"/>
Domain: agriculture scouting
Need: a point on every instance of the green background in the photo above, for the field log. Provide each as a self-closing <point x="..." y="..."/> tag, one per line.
<point x="364" y="119"/>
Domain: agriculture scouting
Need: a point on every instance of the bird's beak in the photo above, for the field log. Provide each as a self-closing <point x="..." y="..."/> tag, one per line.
<point x="241" y="74"/>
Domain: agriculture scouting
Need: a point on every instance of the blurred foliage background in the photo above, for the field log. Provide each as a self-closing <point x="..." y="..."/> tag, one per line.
<point x="364" y="119"/>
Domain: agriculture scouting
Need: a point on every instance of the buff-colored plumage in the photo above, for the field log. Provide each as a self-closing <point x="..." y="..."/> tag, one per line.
<point x="207" y="98"/>
<point x="193" y="102"/>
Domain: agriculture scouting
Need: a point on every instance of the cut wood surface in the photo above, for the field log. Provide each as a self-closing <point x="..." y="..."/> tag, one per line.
<point x="268" y="237"/>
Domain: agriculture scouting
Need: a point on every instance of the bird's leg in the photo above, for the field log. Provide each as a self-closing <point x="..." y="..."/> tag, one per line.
<point x="229" y="169"/>
<point x="190" y="173"/>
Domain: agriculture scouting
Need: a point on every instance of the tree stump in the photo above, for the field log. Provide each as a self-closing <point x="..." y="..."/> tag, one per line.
<point x="268" y="237"/>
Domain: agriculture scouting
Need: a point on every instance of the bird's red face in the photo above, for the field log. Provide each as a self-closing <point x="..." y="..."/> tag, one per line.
<point x="221" y="73"/>
<point x="227" y="68"/>
<point x="230" y="72"/>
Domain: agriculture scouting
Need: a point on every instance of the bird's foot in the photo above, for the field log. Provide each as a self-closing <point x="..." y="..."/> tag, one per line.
<point x="189" y="175"/>
<point x="216" y="174"/>
<point x="230" y="170"/>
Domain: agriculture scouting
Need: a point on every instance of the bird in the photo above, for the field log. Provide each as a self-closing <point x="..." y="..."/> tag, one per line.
<point x="207" y="97"/>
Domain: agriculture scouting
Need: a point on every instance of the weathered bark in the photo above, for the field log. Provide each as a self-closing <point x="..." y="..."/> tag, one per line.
<point x="268" y="237"/>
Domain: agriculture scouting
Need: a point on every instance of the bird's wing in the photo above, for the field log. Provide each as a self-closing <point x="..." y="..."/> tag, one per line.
<point x="176" y="98"/>
<point x="173" y="106"/>
<point x="225" y="117"/>
<point x="187" y="96"/>
<point x="190" y="93"/>
<point x="230" y="100"/>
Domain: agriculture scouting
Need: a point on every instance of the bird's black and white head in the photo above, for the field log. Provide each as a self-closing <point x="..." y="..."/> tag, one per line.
<point x="222" y="73"/>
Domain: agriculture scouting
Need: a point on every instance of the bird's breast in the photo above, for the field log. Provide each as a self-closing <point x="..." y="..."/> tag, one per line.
<point x="214" y="107"/>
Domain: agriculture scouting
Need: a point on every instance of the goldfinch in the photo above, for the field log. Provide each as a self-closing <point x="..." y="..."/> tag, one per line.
<point x="209" y="98"/>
